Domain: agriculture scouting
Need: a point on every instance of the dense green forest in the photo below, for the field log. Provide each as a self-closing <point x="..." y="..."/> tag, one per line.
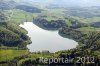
<point x="81" y="24"/>
<point x="49" y="25"/>
<point x="11" y="35"/>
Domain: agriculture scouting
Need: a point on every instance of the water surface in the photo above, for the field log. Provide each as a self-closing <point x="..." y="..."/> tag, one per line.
<point x="43" y="40"/>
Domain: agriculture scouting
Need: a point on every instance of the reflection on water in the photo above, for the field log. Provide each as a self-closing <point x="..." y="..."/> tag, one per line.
<point x="46" y="40"/>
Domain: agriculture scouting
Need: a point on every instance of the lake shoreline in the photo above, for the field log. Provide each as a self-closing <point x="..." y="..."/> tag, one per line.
<point x="48" y="44"/>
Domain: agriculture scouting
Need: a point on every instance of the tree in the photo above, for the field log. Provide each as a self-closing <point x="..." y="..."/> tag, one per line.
<point x="6" y="5"/>
<point x="3" y="17"/>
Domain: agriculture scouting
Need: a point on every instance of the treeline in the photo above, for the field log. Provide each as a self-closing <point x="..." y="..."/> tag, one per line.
<point x="70" y="33"/>
<point x="49" y="25"/>
<point x="3" y="17"/>
<point x="28" y="9"/>
<point x="56" y="24"/>
<point x="95" y="24"/>
<point x="75" y="23"/>
<point x="12" y="35"/>
<point x="90" y="38"/>
<point x="90" y="45"/>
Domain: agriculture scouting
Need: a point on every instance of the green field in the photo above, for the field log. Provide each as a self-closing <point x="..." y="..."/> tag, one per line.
<point x="10" y="54"/>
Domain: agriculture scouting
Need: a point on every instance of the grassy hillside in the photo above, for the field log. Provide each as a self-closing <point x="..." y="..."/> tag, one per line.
<point x="9" y="54"/>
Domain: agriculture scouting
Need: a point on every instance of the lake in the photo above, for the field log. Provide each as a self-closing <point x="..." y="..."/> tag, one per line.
<point x="45" y="40"/>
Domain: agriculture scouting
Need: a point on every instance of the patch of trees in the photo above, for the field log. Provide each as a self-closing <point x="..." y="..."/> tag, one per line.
<point x="95" y="24"/>
<point x="3" y="17"/>
<point x="4" y="6"/>
<point x="49" y="25"/>
<point x="28" y="9"/>
<point x="89" y="39"/>
<point x="71" y="33"/>
<point x="12" y="35"/>
<point x="90" y="45"/>
<point x="75" y="23"/>
<point x="30" y="63"/>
